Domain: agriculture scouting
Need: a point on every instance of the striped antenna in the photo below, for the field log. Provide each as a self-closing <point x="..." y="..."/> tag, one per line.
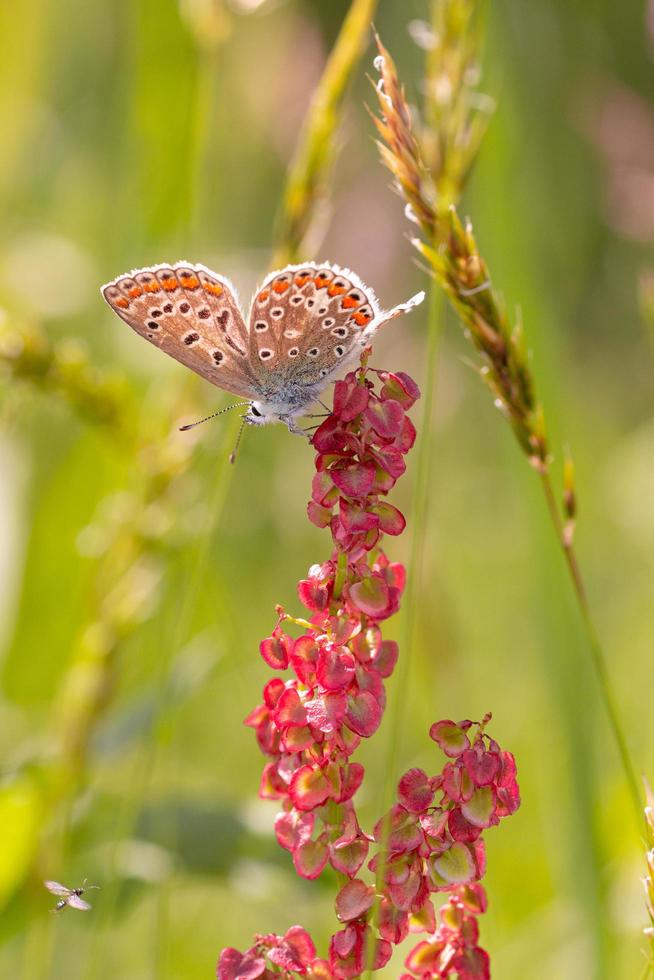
<point x="192" y="425"/>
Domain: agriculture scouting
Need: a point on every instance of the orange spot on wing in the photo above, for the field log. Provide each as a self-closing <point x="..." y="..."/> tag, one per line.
<point x="302" y="280"/>
<point x="263" y="295"/>
<point x="336" y="290"/>
<point x="170" y="285"/>
<point x="151" y="287"/>
<point x="189" y="282"/>
<point x="135" y="291"/>
<point x="213" y="287"/>
<point x="348" y="303"/>
<point x="280" y="286"/>
<point x="361" y="319"/>
<point x="123" y="303"/>
<point x="321" y="279"/>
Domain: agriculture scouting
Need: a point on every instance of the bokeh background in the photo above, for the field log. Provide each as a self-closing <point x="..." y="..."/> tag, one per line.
<point x="138" y="571"/>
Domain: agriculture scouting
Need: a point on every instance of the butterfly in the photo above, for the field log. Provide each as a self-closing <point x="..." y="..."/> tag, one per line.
<point x="69" y="897"/>
<point x="306" y="324"/>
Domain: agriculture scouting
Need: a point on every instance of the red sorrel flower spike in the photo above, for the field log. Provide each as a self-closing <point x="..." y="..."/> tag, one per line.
<point x="311" y="721"/>
<point x="309" y="725"/>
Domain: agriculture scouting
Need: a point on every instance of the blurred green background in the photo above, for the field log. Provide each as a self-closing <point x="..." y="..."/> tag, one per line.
<point x="138" y="571"/>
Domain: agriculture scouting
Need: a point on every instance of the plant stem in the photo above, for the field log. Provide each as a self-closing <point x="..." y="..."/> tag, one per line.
<point x="597" y="653"/>
<point x="419" y="508"/>
<point x="314" y="152"/>
<point x="341" y="572"/>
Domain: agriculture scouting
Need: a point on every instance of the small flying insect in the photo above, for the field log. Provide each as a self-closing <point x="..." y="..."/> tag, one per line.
<point x="69" y="896"/>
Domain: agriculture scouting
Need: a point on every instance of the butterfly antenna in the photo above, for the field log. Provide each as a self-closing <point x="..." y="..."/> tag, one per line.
<point x="232" y="455"/>
<point x="192" y="425"/>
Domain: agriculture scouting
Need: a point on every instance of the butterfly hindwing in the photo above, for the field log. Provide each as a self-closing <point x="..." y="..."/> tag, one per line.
<point x="306" y="322"/>
<point x="190" y="313"/>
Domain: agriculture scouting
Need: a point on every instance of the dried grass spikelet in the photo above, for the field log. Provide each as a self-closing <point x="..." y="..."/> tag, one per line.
<point x="399" y="148"/>
<point x="454" y="260"/>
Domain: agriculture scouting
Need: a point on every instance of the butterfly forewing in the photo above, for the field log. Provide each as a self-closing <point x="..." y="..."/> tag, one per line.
<point x="190" y="313"/>
<point x="307" y="320"/>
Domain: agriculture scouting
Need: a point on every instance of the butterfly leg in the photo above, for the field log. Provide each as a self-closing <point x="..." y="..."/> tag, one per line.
<point x="293" y="426"/>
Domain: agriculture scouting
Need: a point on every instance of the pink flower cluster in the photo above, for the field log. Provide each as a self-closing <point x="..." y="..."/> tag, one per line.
<point x="293" y="954"/>
<point x="453" y="949"/>
<point x="431" y="839"/>
<point x="309" y="725"/>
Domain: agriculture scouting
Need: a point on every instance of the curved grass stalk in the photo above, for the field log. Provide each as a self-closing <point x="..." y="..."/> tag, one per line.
<point x="309" y="169"/>
<point x="598" y="657"/>
<point x="455" y="263"/>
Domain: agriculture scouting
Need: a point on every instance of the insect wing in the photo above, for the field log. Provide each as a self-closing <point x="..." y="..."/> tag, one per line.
<point x="305" y="321"/>
<point x="308" y="322"/>
<point x="57" y="888"/>
<point x="190" y="313"/>
<point x="76" y="902"/>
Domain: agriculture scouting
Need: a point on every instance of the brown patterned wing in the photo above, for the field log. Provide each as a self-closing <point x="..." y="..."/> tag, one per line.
<point x="307" y="321"/>
<point x="190" y="313"/>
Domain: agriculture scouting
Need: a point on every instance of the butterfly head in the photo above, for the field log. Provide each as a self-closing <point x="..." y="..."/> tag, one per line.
<point x="258" y="414"/>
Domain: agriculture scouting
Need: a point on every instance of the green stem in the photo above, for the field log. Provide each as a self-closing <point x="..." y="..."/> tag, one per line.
<point x="419" y="509"/>
<point x="341" y="572"/>
<point x="314" y="152"/>
<point x="597" y="653"/>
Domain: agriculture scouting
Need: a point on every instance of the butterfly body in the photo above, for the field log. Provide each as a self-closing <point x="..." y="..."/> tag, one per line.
<point x="307" y="323"/>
